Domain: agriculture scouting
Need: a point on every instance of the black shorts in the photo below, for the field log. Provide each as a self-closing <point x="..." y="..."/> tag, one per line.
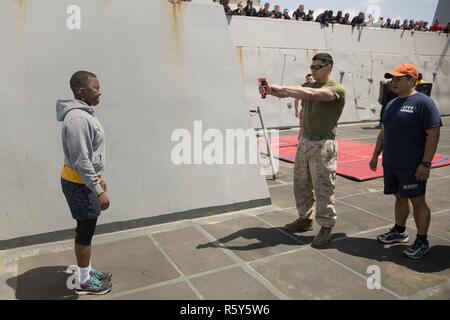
<point x="82" y="201"/>
<point x="403" y="182"/>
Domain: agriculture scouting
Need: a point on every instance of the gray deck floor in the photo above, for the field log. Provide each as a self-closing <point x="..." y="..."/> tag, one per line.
<point x="247" y="255"/>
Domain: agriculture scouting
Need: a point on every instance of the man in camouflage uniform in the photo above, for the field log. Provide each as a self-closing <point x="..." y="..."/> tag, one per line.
<point x="316" y="160"/>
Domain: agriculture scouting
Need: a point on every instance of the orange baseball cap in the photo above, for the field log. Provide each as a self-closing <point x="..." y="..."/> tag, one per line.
<point x="403" y="70"/>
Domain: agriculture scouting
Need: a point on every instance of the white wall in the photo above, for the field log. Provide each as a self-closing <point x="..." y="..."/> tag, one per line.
<point x="161" y="67"/>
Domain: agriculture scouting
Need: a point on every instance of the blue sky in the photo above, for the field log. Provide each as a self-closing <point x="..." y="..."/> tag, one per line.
<point x="402" y="9"/>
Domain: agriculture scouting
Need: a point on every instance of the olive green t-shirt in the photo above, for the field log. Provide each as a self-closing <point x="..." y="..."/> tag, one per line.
<point x="320" y="117"/>
<point x="309" y="85"/>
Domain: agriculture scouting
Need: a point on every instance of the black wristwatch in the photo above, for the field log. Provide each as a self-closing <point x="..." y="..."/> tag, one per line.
<point x="426" y="164"/>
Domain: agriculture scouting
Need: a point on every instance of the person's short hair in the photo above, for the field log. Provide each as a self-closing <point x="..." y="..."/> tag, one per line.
<point x="80" y="79"/>
<point x="309" y="75"/>
<point x="325" y="57"/>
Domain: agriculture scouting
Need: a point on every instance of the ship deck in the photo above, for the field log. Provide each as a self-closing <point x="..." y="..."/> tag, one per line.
<point x="248" y="255"/>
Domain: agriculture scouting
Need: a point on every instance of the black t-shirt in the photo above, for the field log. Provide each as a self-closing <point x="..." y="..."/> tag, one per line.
<point x="299" y="15"/>
<point x="357" y="20"/>
<point x="323" y="18"/>
<point x="405" y="121"/>
<point x="277" y="15"/>
<point x="337" y="19"/>
<point x="264" y="14"/>
<point x="249" y="11"/>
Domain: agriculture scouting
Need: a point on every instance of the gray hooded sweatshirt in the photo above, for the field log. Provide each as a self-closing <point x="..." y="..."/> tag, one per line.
<point x="83" y="141"/>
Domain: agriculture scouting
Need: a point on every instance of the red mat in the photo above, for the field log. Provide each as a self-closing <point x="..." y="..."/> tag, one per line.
<point x="353" y="157"/>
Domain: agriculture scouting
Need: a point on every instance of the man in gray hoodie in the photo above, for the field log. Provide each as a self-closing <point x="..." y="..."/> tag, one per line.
<point x="82" y="183"/>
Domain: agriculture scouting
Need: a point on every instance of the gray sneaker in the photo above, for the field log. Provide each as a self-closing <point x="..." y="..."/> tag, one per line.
<point x="418" y="249"/>
<point x="393" y="236"/>
<point x="102" y="276"/>
<point x="94" y="286"/>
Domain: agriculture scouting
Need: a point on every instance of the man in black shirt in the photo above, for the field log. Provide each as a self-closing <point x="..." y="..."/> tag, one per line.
<point x="323" y="18"/>
<point x="388" y="24"/>
<point x="276" y="13"/>
<point x="408" y="140"/>
<point x="338" y="18"/>
<point x="329" y="18"/>
<point x="309" y="16"/>
<point x="265" y="12"/>
<point x="300" y="13"/>
<point x="249" y="10"/>
<point x="346" y="19"/>
<point x="396" y="25"/>
<point x="359" y="20"/>
<point x="405" y="25"/>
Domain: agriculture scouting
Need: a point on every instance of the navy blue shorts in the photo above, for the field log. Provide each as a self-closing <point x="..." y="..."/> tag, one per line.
<point x="403" y="182"/>
<point x="82" y="201"/>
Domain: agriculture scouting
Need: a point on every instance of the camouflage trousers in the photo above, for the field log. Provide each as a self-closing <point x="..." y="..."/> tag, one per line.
<point x="315" y="180"/>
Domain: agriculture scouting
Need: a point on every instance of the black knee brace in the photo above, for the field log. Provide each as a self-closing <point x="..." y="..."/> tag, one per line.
<point x="85" y="231"/>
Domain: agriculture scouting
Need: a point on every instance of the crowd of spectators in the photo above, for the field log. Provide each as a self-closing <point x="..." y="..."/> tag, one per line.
<point x="327" y="17"/>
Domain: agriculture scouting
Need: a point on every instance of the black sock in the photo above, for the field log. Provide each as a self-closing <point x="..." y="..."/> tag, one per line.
<point x="422" y="237"/>
<point x="399" y="229"/>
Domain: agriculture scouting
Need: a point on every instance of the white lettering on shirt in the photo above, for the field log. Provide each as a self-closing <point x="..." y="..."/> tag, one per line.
<point x="408" y="109"/>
